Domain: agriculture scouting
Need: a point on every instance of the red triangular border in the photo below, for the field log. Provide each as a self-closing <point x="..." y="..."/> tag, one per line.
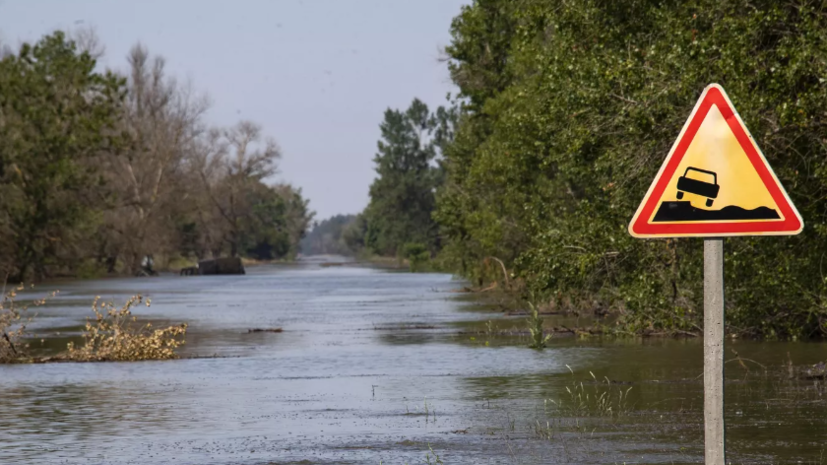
<point x="715" y="95"/>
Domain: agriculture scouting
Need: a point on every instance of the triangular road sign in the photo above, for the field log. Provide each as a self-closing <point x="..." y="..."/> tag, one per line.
<point x="715" y="182"/>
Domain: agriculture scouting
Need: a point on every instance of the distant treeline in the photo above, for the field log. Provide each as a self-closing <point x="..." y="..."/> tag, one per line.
<point x="337" y="235"/>
<point x="99" y="169"/>
<point x="565" y="113"/>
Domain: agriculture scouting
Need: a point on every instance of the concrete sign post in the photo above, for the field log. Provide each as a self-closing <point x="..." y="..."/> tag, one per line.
<point x="714" y="351"/>
<point x="715" y="183"/>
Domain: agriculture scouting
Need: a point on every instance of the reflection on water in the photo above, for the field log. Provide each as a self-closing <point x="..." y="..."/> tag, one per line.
<point x="372" y="366"/>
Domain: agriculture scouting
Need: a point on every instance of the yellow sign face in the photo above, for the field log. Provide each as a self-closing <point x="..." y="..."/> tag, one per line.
<point x="715" y="182"/>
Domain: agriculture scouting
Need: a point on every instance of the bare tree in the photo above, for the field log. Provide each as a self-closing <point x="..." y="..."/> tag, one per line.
<point x="206" y="171"/>
<point x="87" y="40"/>
<point x="162" y="184"/>
<point x="163" y="122"/>
<point x="249" y="160"/>
<point x="230" y="174"/>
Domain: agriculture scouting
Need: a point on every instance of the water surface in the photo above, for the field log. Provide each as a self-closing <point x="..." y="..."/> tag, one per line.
<point x="383" y="367"/>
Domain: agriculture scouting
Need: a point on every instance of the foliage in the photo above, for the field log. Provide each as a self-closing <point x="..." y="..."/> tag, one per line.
<point x="417" y="255"/>
<point x="115" y="335"/>
<point x="402" y="196"/>
<point x="297" y="218"/>
<point x="13" y="326"/>
<point x="56" y="115"/>
<point x="568" y="111"/>
<point x="535" y="327"/>
<point x="240" y="213"/>
<point x="328" y="237"/>
<point x="11" y="329"/>
<point x="99" y="169"/>
<point x="353" y="235"/>
<point x="263" y="234"/>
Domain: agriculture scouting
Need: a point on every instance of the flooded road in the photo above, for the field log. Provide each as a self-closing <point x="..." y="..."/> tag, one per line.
<point x="386" y="367"/>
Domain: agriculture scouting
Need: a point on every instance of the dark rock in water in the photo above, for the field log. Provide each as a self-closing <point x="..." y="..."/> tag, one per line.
<point x="229" y="265"/>
<point x="684" y="211"/>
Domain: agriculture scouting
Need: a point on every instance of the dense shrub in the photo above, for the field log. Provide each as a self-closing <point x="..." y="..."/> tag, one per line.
<point x="569" y="111"/>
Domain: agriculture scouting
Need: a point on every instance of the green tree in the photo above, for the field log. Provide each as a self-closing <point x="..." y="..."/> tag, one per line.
<point x="262" y="233"/>
<point x="297" y="217"/>
<point x="402" y="196"/>
<point x="57" y="115"/>
<point x="327" y="237"/>
<point x="353" y="235"/>
<point x="570" y="108"/>
<point x="97" y="171"/>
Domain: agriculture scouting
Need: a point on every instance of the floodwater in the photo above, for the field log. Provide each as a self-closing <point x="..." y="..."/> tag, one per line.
<point x="386" y="367"/>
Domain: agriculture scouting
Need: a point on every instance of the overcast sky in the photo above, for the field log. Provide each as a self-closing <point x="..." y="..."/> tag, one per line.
<point x="317" y="74"/>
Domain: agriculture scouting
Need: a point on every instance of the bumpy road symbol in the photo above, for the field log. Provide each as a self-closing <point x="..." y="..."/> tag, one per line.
<point x="715" y="182"/>
<point x="685" y="211"/>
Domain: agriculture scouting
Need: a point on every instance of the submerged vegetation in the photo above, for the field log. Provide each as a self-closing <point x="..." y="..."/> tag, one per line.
<point x="535" y="328"/>
<point x="114" y="334"/>
<point x="13" y="321"/>
<point x="600" y="398"/>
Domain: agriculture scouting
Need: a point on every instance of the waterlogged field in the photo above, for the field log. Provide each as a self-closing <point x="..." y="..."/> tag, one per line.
<point x="382" y="367"/>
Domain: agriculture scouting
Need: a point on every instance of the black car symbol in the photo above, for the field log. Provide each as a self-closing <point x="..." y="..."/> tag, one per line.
<point x="695" y="186"/>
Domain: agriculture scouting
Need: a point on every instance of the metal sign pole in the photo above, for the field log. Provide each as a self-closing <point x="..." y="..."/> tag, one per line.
<point x="714" y="351"/>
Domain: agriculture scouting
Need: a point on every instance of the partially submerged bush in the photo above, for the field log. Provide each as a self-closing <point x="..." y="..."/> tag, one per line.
<point x="13" y="326"/>
<point x="115" y="335"/>
<point x="535" y="327"/>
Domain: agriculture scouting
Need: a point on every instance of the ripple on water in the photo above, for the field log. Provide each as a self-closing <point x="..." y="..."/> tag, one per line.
<point x="371" y="367"/>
